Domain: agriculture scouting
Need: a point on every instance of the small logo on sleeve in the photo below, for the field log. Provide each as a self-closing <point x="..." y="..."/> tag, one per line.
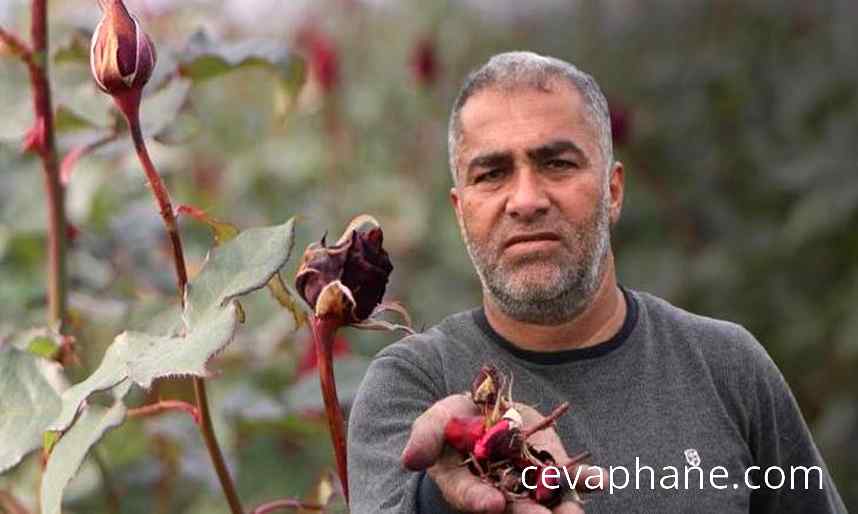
<point x="692" y="457"/>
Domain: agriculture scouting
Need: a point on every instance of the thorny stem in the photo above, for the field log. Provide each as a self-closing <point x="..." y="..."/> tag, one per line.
<point x="159" y="190"/>
<point x="129" y="105"/>
<point x="16" y="46"/>
<point x="48" y="153"/>
<point x="324" y="329"/>
<point x="547" y="421"/>
<point x="210" y="438"/>
<point x="286" y="503"/>
<point x="37" y="65"/>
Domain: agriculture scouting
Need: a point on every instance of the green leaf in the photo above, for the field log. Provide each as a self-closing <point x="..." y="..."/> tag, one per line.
<point x="28" y="403"/>
<point x="68" y="454"/>
<point x="204" y="59"/>
<point x="42" y="342"/>
<point x="157" y="357"/>
<point x="237" y="267"/>
<point x="143" y="358"/>
<point x="112" y="370"/>
<point x="43" y="346"/>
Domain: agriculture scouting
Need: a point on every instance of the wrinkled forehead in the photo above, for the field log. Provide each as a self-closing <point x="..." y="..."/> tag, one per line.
<point x="516" y="118"/>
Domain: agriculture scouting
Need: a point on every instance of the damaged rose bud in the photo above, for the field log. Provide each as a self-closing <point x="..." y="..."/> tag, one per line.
<point x="485" y="387"/>
<point x="122" y="57"/>
<point x="355" y="270"/>
<point x="343" y="284"/>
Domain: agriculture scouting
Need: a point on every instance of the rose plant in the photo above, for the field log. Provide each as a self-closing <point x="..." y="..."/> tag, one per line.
<point x="342" y="285"/>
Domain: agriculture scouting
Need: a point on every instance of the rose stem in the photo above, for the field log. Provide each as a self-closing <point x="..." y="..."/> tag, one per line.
<point x="547" y="422"/>
<point x="153" y="409"/>
<point x="324" y="329"/>
<point x="129" y="105"/>
<point x="36" y="59"/>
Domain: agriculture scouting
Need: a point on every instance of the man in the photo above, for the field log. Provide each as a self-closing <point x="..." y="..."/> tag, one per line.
<point x="653" y="388"/>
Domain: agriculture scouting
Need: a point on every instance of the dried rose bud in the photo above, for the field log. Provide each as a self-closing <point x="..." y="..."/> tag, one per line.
<point x="485" y="387"/>
<point x="353" y="272"/>
<point x="462" y="433"/>
<point x="122" y="56"/>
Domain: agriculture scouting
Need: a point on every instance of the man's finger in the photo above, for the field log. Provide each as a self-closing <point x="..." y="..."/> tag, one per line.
<point x="589" y="478"/>
<point x="569" y="507"/>
<point x="463" y="490"/>
<point x="525" y="507"/>
<point x="427" y="433"/>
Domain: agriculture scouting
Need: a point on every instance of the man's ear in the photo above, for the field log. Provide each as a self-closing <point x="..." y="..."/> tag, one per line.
<point x="616" y="185"/>
<point x="456" y="201"/>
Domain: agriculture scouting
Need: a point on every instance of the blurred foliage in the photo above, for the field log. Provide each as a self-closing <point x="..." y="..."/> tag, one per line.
<point x="736" y="122"/>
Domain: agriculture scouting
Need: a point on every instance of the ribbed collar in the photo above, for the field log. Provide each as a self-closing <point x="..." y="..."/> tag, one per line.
<point x="564" y="356"/>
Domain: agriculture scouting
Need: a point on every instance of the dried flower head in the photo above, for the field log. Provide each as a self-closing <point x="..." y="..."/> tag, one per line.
<point x="347" y="279"/>
<point x="486" y="386"/>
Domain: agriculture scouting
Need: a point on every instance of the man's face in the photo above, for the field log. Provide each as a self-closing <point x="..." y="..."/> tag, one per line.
<point x="533" y="202"/>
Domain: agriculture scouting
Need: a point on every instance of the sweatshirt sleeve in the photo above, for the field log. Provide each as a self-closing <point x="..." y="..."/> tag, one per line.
<point x="393" y="393"/>
<point x="779" y="437"/>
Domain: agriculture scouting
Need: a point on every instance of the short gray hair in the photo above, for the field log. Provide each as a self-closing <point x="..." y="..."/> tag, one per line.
<point x="513" y="70"/>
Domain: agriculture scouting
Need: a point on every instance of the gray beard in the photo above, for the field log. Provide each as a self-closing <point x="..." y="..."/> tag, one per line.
<point x="567" y="290"/>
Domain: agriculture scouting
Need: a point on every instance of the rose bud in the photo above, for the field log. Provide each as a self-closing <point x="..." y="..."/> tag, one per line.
<point x="352" y="274"/>
<point x="424" y="62"/>
<point x="485" y="387"/>
<point x="122" y="56"/>
<point x="462" y="433"/>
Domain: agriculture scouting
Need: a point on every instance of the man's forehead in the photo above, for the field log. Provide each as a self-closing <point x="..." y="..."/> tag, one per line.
<point x="493" y="115"/>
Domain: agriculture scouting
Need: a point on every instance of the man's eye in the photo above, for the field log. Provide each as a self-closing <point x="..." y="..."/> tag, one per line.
<point x="559" y="164"/>
<point x="489" y="176"/>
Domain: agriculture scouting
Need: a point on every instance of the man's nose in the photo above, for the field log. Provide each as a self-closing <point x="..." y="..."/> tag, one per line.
<point x="528" y="199"/>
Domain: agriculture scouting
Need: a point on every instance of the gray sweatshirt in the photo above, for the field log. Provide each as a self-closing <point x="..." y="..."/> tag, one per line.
<point x="668" y="400"/>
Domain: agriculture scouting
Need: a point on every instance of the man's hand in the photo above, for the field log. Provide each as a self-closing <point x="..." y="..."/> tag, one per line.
<point x="463" y="490"/>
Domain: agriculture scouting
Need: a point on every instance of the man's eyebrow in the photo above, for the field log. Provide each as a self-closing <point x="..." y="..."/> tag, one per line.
<point x="489" y="160"/>
<point x="554" y="149"/>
